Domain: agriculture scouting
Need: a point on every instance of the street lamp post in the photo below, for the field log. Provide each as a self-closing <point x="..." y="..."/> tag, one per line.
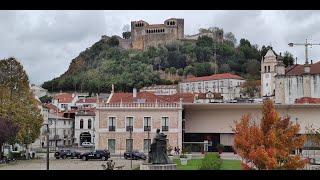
<point x="47" y="131"/>
<point x="27" y="151"/>
<point x="131" y="144"/>
<point x="94" y="145"/>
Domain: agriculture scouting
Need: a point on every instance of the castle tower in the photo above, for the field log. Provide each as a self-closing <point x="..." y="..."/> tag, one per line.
<point x="280" y="81"/>
<point x="137" y="34"/>
<point x="268" y="72"/>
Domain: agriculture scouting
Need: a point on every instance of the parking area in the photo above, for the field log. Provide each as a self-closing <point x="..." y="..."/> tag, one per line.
<point x="67" y="164"/>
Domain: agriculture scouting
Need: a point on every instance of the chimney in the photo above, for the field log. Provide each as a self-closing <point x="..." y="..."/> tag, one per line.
<point x="73" y="95"/>
<point x="311" y="62"/>
<point x="134" y="92"/>
<point x="112" y="88"/>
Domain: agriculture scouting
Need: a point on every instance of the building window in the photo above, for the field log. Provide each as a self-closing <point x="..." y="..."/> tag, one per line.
<point x="129" y="144"/>
<point x="265" y="68"/>
<point x="64" y="122"/>
<point x="112" y="145"/>
<point x="165" y="123"/>
<point x="221" y="90"/>
<point x="147" y="123"/>
<point x="112" y="123"/>
<point x="129" y="123"/>
<point x="64" y="106"/>
<point x="89" y="124"/>
<point x="68" y="132"/>
<point x="266" y="84"/>
<point x="146" y="145"/>
<point x="221" y="82"/>
<point x="268" y="68"/>
<point x="81" y="123"/>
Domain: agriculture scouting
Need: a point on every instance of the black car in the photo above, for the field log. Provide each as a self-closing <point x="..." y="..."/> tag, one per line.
<point x="97" y="154"/>
<point x="136" y="154"/>
<point x="64" y="153"/>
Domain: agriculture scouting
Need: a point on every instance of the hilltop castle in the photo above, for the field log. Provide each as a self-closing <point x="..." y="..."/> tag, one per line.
<point x="144" y="35"/>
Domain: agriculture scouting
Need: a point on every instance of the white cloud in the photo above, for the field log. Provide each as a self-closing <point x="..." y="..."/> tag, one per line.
<point x="46" y="41"/>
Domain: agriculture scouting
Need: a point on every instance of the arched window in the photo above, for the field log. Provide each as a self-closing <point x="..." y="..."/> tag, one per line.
<point x="89" y="124"/>
<point x="173" y="23"/>
<point x="168" y="23"/>
<point x="268" y="68"/>
<point x="81" y="123"/>
<point x="265" y="68"/>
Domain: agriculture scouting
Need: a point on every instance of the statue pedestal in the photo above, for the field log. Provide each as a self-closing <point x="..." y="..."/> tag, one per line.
<point x="145" y="166"/>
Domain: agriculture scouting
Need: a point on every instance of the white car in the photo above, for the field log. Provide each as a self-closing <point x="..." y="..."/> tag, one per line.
<point x="87" y="144"/>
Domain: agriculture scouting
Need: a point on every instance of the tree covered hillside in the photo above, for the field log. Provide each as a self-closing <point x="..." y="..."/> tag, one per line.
<point x="105" y="63"/>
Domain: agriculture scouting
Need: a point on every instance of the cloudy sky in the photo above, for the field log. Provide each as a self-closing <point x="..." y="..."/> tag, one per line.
<point x="45" y="42"/>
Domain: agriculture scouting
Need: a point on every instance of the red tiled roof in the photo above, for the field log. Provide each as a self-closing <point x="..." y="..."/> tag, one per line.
<point x="307" y="100"/>
<point x="213" y="77"/>
<point x="50" y="106"/>
<point x="155" y="25"/>
<point x="88" y="100"/>
<point x="64" y="97"/>
<point x="251" y="83"/>
<point x="128" y="97"/>
<point x="298" y="69"/>
<point x="186" y="97"/>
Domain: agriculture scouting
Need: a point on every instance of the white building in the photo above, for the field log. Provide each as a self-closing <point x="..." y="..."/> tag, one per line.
<point x="227" y="84"/>
<point x="296" y="82"/>
<point x="64" y="101"/>
<point x="42" y="138"/>
<point x="84" y="126"/>
<point x="87" y="103"/>
<point x="60" y="130"/>
<point x="38" y="91"/>
<point x="161" y="89"/>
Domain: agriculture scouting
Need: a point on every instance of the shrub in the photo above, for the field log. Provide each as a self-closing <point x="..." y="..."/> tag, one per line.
<point x="183" y="156"/>
<point x="220" y="147"/>
<point x="212" y="161"/>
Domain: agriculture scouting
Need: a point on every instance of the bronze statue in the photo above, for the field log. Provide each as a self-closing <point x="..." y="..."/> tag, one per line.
<point x="158" y="150"/>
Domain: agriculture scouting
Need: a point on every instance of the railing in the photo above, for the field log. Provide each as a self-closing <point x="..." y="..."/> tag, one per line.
<point x="129" y="127"/>
<point x="165" y="128"/>
<point x="147" y="128"/>
<point x="144" y="105"/>
<point x="112" y="128"/>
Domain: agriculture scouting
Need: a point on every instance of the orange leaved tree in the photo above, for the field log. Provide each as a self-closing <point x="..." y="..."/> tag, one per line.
<point x="267" y="145"/>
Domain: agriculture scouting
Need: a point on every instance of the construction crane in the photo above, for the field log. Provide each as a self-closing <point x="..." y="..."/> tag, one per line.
<point x="306" y="44"/>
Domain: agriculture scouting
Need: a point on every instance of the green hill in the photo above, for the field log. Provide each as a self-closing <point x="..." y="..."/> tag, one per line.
<point x="105" y="63"/>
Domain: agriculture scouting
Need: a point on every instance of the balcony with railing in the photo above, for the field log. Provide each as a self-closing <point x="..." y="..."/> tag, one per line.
<point x="112" y="128"/>
<point x="128" y="128"/>
<point x="141" y="105"/>
<point x="147" y="128"/>
<point x="165" y="128"/>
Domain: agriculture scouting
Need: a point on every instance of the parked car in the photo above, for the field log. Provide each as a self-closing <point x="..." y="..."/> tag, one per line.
<point x="64" y="153"/>
<point x="136" y="154"/>
<point x="96" y="154"/>
<point x="87" y="144"/>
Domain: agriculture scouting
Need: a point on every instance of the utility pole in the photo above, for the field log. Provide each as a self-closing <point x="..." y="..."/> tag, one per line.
<point x="306" y="44"/>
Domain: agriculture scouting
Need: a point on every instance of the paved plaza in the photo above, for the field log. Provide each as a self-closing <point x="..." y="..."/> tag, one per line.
<point x="67" y="164"/>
